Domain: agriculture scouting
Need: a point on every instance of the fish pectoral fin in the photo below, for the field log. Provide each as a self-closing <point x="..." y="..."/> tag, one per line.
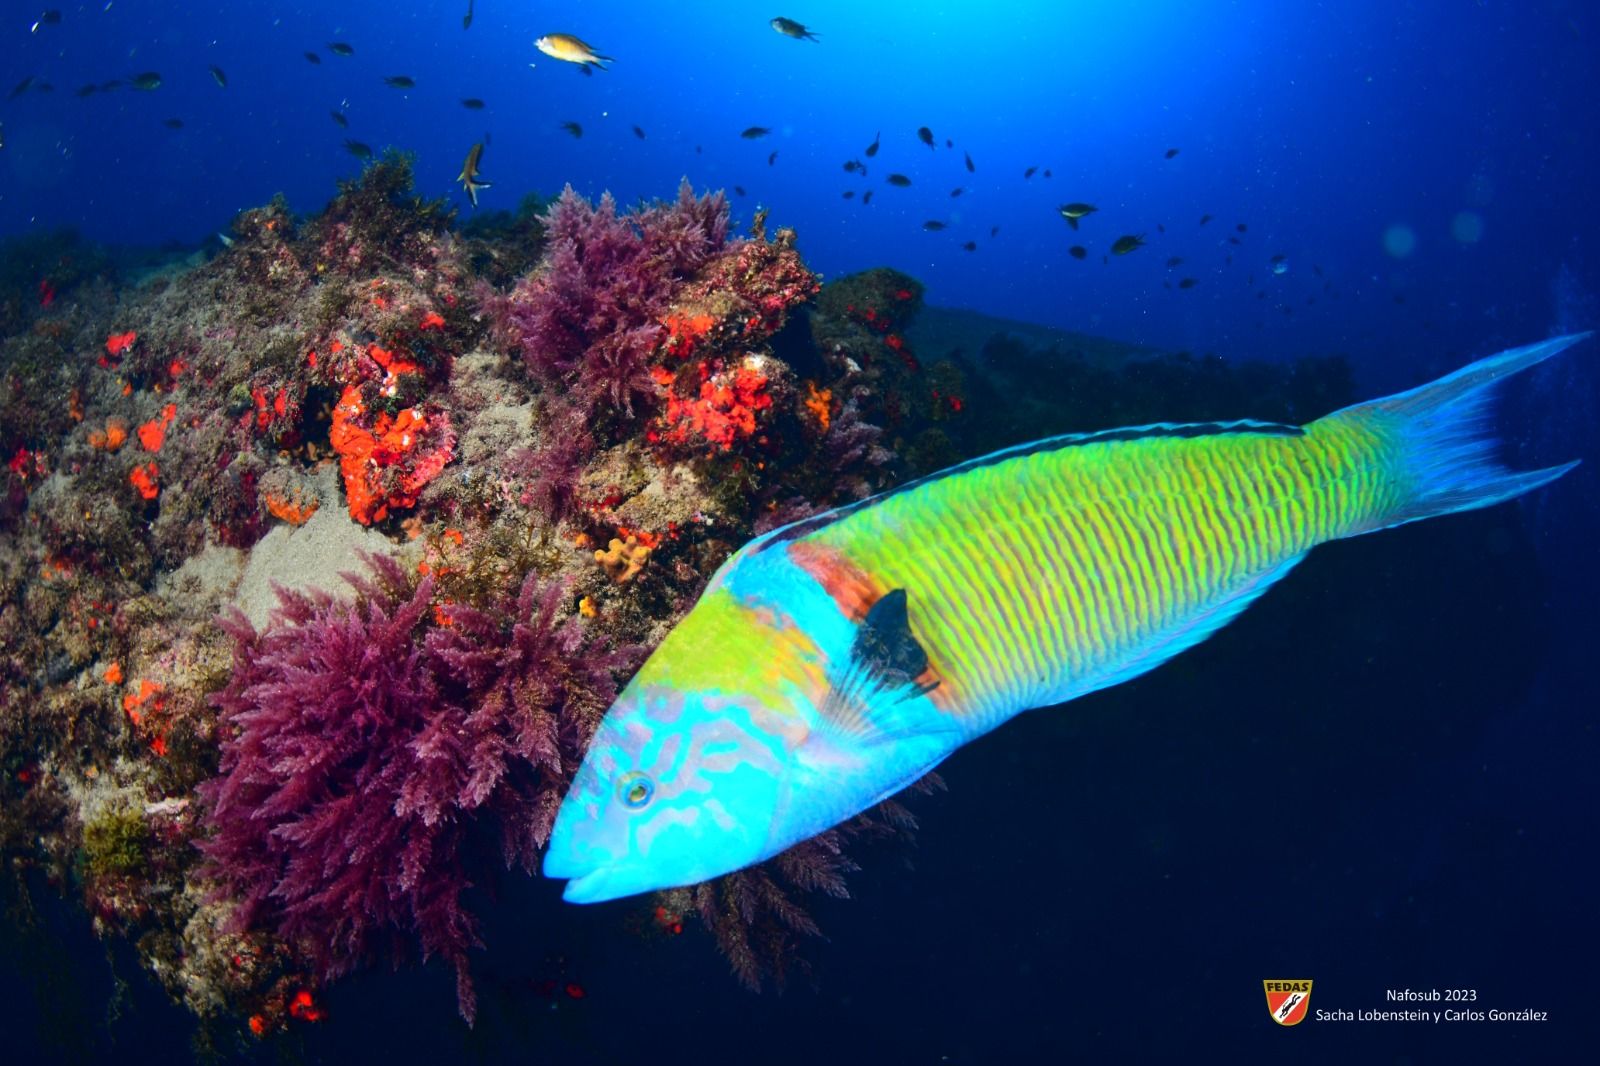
<point x="877" y="695"/>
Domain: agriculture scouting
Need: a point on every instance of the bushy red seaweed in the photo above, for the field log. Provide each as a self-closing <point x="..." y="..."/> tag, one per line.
<point x="589" y="319"/>
<point x="363" y="744"/>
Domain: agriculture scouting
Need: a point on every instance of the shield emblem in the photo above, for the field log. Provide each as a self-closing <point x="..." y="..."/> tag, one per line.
<point x="1288" y="1001"/>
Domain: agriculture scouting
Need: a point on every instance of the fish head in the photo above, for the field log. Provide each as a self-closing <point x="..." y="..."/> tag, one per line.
<point x="727" y="747"/>
<point x="687" y="775"/>
<point x="675" y="789"/>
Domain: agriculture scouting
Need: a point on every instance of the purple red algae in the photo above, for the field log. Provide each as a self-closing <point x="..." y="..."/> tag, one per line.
<point x="547" y="429"/>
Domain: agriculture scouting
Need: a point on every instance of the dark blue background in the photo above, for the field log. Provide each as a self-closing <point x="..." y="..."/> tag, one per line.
<point x="1381" y="776"/>
<point x="1320" y="126"/>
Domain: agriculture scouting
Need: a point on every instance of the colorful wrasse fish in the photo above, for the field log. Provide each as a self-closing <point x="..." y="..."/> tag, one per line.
<point x="834" y="661"/>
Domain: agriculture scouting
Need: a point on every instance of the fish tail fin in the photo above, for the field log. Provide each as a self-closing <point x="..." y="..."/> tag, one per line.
<point x="1447" y="446"/>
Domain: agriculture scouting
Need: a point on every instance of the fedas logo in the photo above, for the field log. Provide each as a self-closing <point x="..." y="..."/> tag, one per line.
<point x="1288" y="1001"/>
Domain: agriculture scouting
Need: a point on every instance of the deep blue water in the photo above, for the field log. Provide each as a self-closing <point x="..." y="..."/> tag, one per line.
<point x="1321" y="127"/>
<point x="1382" y="776"/>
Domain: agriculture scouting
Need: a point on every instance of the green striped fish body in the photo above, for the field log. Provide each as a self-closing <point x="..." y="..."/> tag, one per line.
<point x="1039" y="575"/>
<point x="832" y="662"/>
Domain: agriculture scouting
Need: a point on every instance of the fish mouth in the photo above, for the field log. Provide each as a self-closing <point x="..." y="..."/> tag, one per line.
<point x="587" y="881"/>
<point x="597" y="886"/>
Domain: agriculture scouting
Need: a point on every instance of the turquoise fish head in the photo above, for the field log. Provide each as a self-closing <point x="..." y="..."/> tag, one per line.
<point x="676" y="788"/>
<point x="729" y="746"/>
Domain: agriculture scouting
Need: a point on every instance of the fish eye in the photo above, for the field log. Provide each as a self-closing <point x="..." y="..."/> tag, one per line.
<point x="635" y="790"/>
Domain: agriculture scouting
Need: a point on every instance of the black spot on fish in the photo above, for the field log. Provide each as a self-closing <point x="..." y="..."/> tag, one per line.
<point x="884" y="643"/>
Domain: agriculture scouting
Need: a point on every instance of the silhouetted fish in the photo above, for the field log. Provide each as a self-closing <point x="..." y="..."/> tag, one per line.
<point x="791" y="28"/>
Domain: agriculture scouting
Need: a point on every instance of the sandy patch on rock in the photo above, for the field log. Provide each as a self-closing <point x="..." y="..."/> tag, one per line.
<point x="309" y="556"/>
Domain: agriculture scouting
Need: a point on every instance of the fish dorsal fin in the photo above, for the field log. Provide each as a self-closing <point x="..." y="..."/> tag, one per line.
<point x="1155" y="430"/>
<point x="874" y="696"/>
